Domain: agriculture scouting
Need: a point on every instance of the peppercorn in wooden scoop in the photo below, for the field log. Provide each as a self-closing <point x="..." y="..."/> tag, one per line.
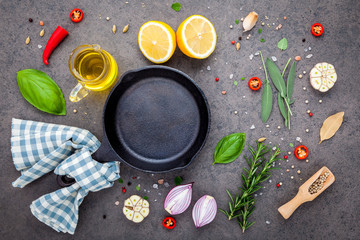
<point x="312" y="188"/>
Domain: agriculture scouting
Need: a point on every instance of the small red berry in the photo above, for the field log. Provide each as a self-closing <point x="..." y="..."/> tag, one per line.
<point x="310" y="114"/>
<point x="278" y="185"/>
<point x="233" y="42"/>
<point x="124" y="190"/>
<point x="285" y="157"/>
<point x="217" y="79"/>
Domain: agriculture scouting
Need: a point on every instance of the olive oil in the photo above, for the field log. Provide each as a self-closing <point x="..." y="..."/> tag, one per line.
<point x="98" y="70"/>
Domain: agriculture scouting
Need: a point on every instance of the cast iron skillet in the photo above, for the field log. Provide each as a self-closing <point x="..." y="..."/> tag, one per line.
<point x="155" y="120"/>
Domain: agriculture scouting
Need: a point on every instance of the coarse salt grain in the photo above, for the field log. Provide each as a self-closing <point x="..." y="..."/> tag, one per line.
<point x="155" y="186"/>
<point x="252" y="127"/>
<point x="274" y="58"/>
<point x="208" y="68"/>
<point x="231" y="76"/>
<point x="309" y="56"/>
<point x="267" y="222"/>
<point x="251" y="56"/>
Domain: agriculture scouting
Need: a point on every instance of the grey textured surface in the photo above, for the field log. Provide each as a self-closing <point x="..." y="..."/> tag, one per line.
<point x="333" y="215"/>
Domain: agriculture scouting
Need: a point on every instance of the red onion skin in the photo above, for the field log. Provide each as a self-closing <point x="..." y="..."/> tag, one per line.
<point x="210" y="214"/>
<point x="173" y="193"/>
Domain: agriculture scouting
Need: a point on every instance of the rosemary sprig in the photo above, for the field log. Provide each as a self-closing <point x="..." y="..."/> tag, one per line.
<point x="259" y="171"/>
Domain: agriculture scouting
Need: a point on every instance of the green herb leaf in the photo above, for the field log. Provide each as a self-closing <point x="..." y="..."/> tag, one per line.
<point x="235" y="83"/>
<point x="237" y="21"/>
<point x="282" y="108"/>
<point x="176" y="6"/>
<point x="178" y="180"/>
<point x="229" y="148"/>
<point x="283" y="44"/>
<point x="138" y="187"/>
<point x="242" y="79"/>
<point x="291" y="145"/>
<point x="41" y="91"/>
<point x="262" y="40"/>
<point x="266" y="102"/>
<point x="276" y="77"/>
<point x="121" y="180"/>
<point x="145" y="198"/>
<point x="290" y="81"/>
<point x="260" y="30"/>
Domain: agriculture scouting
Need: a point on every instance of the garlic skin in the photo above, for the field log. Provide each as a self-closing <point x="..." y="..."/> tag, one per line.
<point x="250" y="21"/>
<point x="323" y="77"/>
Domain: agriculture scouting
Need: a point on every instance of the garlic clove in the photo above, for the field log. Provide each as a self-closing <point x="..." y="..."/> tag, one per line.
<point x="145" y="203"/>
<point x="323" y="88"/>
<point x="316" y="83"/>
<point x="126" y="210"/>
<point x="137" y="217"/>
<point x="250" y="21"/>
<point x="332" y="77"/>
<point x="130" y="215"/>
<point x="145" y="212"/>
<point x="315" y="72"/>
<point x="329" y="83"/>
<point x="137" y="209"/>
<point x="324" y="66"/>
<point x="139" y="203"/>
<point x="128" y="203"/>
<point x="134" y="199"/>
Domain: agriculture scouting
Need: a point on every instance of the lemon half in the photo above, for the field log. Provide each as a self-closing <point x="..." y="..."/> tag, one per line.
<point x="157" y="41"/>
<point x="196" y="37"/>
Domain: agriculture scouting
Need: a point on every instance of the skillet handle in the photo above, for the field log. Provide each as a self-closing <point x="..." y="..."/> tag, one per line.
<point x="105" y="153"/>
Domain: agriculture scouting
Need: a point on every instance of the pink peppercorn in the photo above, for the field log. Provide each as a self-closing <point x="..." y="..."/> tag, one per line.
<point x="285" y="157"/>
<point x="233" y="42"/>
<point x="217" y="79"/>
<point x="310" y="114"/>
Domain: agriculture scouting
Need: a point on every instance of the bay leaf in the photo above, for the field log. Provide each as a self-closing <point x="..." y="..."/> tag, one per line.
<point x="330" y="126"/>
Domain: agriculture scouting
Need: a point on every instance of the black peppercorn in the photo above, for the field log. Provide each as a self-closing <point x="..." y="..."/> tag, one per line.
<point x="30" y="20"/>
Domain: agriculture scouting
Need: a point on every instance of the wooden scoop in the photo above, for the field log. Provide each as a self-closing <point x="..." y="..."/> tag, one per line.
<point x="304" y="194"/>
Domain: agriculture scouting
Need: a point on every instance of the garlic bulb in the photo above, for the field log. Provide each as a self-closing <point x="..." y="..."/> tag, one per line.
<point x="250" y="21"/>
<point x="323" y="76"/>
<point x="136" y="208"/>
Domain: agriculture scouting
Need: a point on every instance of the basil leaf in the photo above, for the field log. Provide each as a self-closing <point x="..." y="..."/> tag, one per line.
<point x="176" y="6"/>
<point x="282" y="44"/>
<point x="266" y="102"/>
<point x="282" y="108"/>
<point x="229" y="148"/>
<point x="41" y="91"/>
<point x="290" y="81"/>
<point x="276" y="77"/>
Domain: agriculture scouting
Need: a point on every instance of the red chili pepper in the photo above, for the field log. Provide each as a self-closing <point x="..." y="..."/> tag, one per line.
<point x="254" y="83"/>
<point x="76" y="15"/>
<point x="169" y="223"/>
<point x="58" y="35"/>
<point x="317" y="29"/>
<point x="301" y="152"/>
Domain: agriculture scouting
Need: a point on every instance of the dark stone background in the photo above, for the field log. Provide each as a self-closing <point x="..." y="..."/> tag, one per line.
<point x="333" y="215"/>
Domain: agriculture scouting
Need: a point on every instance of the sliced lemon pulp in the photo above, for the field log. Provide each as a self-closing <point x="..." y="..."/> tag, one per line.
<point x="196" y="37"/>
<point x="157" y="41"/>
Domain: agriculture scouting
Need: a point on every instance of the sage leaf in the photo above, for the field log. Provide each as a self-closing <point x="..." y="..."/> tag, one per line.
<point x="283" y="44"/>
<point x="290" y="82"/>
<point x="330" y="126"/>
<point x="176" y="6"/>
<point x="41" y="91"/>
<point x="229" y="148"/>
<point x="282" y="108"/>
<point x="276" y="77"/>
<point x="266" y="102"/>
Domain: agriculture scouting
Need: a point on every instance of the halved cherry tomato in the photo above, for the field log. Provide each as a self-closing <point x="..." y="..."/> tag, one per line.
<point x="301" y="152"/>
<point x="169" y="223"/>
<point x="254" y="83"/>
<point x="317" y="29"/>
<point x="76" y="15"/>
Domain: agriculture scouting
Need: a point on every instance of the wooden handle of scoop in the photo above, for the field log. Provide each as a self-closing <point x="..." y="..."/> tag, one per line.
<point x="288" y="208"/>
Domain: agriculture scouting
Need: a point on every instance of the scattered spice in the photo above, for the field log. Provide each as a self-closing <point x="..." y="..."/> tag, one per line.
<point x="178" y="180"/>
<point x="232" y="42"/>
<point x="129" y="183"/>
<point x="123" y="189"/>
<point x="42" y="32"/>
<point x="300" y="76"/>
<point x="285" y="18"/>
<point x="237" y="21"/>
<point x="41" y="23"/>
<point x="278" y="185"/>
<point x="262" y="40"/>
<point x="114" y="29"/>
<point x="297" y="58"/>
<point x="161" y="181"/>
<point x="307" y="130"/>
<point x="75" y="111"/>
<point x="27" y="41"/>
<point x="237" y="46"/>
<point x="298" y="171"/>
<point x="319" y="183"/>
<point x="261" y="139"/>
<point x="260" y="30"/>
<point x="320" y="101"/>
<point x="240" y="38"/>
<point x="285" y="157"/>
<point x="303" y="40"/>
<point x="117" y="203"/>
<point x="107" y="18"/>
<point x="30" y="20"/>
<point x="217" y="79"/>
<point x="176" y="6"/>
<point x="223" y="92"/>
<point x="310" y="114"/>
<point x="121" y="180"/>
<point x="242" y="79"/>
<point x="126" y="28"/>
<point x="138" y="187"/>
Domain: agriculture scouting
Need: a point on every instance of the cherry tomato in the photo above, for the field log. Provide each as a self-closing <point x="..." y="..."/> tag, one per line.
<point x="254" y="83"/>
<point x="169" y="223"/>
<point x="317" y="29"/>
<point x="76" y="15"/>
<point x="301" y="152"/>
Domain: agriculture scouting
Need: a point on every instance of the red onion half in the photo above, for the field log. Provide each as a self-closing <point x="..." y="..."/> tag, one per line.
<point x="178" y="199"/>
<point x="204" y="211"/>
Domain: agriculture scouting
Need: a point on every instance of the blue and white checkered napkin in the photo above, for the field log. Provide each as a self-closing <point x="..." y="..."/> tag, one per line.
<point x="39" y="148"/>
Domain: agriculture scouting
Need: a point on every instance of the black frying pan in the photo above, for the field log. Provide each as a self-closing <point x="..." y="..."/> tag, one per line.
<point x="155" y="120"/>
